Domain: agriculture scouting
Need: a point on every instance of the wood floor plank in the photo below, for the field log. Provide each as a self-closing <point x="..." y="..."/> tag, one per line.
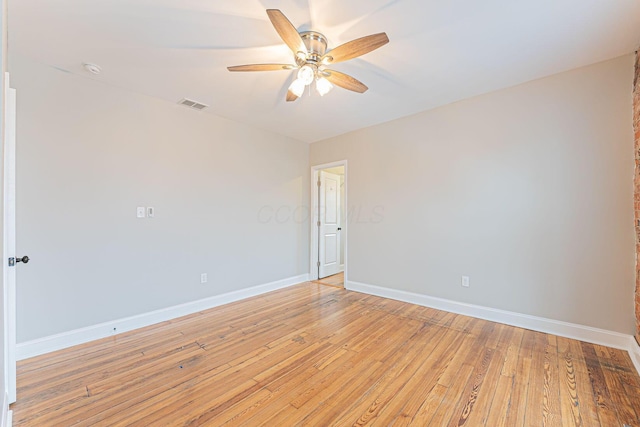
<point x="448" y="409"/>
<point x="535" y="412"/>
<point x="391" y="363"/>
<point x="626" y="412"/>
<point x="586" y="398"/>
<point x="510" y="366"/>
<point x="438" y="358"/>
<point x="633" y="394"/>
<point x="569" y="397"/>
<point x="301" y="385"/>
<point x="316" y="355"/>
<point x="470" y="343"/>
<point x="501" y="402"/>
<point x="335" y="280"/>
<point x="423" y="414"/>
<point x="551" y="401"/>
<point x="202" y="369"/>
<point x="519" y="402"/>
<point x="326" y="402"/>
<point x="470" y="395"/>
<point x="606" y="410"/>
<point x="403" y="378"/>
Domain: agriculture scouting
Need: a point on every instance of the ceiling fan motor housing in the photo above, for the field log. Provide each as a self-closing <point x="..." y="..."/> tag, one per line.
<point x="316" y="45"/>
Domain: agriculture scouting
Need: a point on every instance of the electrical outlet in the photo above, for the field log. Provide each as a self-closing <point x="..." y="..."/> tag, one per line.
<point x="140" y="212"/>
<point x="465" y="281"/>
<point x="203" y="278"/>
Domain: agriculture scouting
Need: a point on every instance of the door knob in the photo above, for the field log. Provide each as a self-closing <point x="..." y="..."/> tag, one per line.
<point x="24" y="259"/>
<point x="339" y="228"/>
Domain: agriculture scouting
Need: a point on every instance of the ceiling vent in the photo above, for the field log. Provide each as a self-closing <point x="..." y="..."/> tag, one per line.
<point x="192" y="104"/>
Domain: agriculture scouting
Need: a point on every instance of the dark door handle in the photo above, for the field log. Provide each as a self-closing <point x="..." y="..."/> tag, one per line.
<point x="339" y="228"/>
<point x="24" y="259"/>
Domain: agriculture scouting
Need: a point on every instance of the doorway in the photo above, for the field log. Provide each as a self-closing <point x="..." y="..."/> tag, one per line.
<point x="328" y="262"/>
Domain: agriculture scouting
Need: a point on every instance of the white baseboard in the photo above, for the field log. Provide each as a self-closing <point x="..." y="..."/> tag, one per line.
<point x="634" y="353"/>
<point x="541" y="324"/>
<point x="6" y="418"/>
<point x="79" y="336"/>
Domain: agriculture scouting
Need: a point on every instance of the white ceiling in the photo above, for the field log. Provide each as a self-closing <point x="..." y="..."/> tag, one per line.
<point x="439" y="51"/>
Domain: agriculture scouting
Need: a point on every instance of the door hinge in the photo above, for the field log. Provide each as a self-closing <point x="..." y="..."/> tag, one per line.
<point x="318" y="183"/>
<point x="318" y="263"/>
<point x="12" y="262"/>
<point x="318" y="223"/>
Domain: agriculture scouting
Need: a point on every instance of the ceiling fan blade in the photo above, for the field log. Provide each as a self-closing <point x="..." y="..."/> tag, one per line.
<point x="291" y="96"/>
<point x="287" y="31"/>
<point x="261" y="67"/>
<point x="345" y="81"/>
<point x="355" y="48"/>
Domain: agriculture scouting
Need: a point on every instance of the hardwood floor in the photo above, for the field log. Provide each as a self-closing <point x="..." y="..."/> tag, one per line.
<point x="335" y="280"/>
<point x="317" y="355"/>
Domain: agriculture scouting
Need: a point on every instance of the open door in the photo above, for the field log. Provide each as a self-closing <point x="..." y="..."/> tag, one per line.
<point x="329" y="228"/>
<point x="9" y="244"/>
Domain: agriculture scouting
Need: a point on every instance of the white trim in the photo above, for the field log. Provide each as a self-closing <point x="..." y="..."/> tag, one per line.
<point x="541" y="324"/>
<point x="313" y="240"/>
<point x="6" y="418"/>
<point x="79" y="336"/>
<point x="9" y="238"/>
<point x="634" y="353"/>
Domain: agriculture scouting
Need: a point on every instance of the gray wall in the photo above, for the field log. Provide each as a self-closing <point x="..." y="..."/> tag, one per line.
<point x="527" y="190"/>
<point x="88" y="154"/>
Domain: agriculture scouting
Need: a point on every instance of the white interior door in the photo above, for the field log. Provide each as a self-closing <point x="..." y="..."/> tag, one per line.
<point x="329" y="229"/>
<point x="9" y="244"/>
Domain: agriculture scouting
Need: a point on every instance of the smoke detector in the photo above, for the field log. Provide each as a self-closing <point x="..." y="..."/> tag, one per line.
<point x="92" y="68"/>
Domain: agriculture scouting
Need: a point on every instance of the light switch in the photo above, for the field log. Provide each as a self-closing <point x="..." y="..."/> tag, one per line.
<point x="140" y="211"/>
<point x="150" y="212"/>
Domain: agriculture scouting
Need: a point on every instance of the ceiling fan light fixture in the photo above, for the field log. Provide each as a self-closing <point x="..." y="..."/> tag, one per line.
<point x="323" y="86"/>
<point x="301" y="56"/>
<point x="309" y="49"/>
<point x="297" y="87"/>
<point x="306" y="74"/>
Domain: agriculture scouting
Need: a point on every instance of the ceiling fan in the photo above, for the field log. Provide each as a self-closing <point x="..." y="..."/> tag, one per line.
<point x="311" y="58"/>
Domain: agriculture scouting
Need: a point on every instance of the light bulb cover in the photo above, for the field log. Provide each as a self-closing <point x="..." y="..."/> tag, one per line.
<point x="323" y="86"/>
<point x="297" y="87"/>
<point x="306" y="74"/>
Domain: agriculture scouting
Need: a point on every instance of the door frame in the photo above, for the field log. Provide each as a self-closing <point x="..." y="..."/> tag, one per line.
<point x="326" y="226"/>
<point x="9" y="238"/>
<point x="313" y="216"/>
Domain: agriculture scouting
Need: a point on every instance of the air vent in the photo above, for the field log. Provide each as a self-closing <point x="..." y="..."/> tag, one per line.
<point x="192" y="104"/>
